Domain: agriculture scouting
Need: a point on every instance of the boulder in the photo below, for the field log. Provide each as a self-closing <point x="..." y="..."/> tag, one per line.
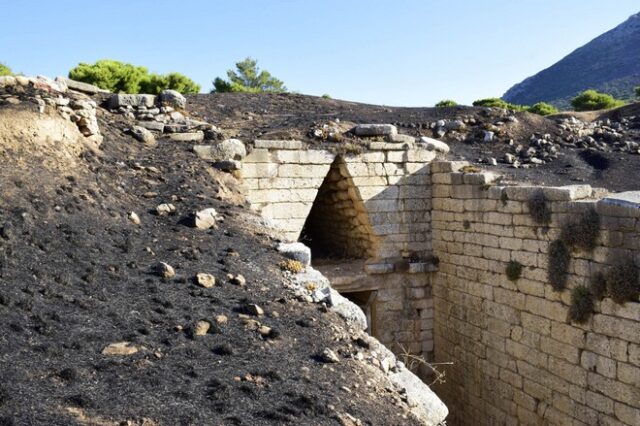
<point x="229" y="149"/>
<point x="172" y="98"/>
<point x="434" y="145"/>
<point x="143" y="135"/>
<point x="375" y="130"/>
<point x="398" y="138"/>
<point x="228" y="165"/>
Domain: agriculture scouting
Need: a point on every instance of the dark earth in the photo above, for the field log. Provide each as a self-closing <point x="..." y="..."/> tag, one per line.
<point x="76" y="275"/>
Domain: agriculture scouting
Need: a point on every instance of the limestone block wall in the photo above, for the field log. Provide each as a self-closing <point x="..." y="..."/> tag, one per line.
<point x="338" y="224"/>
<point x="391" y="181"/>
<point x="517" y="357"/>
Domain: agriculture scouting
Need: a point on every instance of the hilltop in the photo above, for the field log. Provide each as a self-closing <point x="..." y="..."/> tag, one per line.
<point x="609" y="63"/>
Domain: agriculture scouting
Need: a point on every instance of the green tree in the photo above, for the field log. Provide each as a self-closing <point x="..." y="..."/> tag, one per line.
<point x="446" y="103"/>
<point x="5" y="70"/>
<point x="498" y="103"/>
<point x="248" y="78"/>
<point x="542" y="108"/>
<point x="156" y="83"/>
<point x="591" y="100"/>
<point x="637" y="90"/>
<point x="117" y="76"/>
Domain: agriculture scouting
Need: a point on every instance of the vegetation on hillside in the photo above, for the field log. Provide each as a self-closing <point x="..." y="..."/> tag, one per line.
<point x="637" y="90"/>
<point x="591" y="100"/>
<point x="541" y="108"/>
<point x="5" y="70"/>
<point x="446" y="103"/>
<point x="248" y="78"/>
<point x="117" y="76"/>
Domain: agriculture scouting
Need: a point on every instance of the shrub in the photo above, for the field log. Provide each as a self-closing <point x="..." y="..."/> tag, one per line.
<point x="249" y="79"/>
<point x="498" y="103"/>
<point x="542" y="108"/>
<point x="293" y="266"/>
<point x="622" y="281"/>
<point x="446" y="103"/>
<point x="583" y="232"/>
<point x="591" y="100"/>
<point x="538" y="208"/>
<point x="118" y="76"/>
<point x="5" y="70"/>
<point x="559" y="261"/>
<point x="637" y="90"/>
<point x="581" y="304"/>
<point x="326" y="96"/>
<point x="513" y="270"/>
<point x="598" y="285"/>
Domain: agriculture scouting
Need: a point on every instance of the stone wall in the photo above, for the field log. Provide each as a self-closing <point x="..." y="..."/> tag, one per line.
<point x="518" y="358"/>
<point x="282" y="179"/>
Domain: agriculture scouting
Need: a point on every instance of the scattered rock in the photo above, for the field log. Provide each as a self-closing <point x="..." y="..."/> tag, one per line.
<point x="124" y="100"/>
<point x="165" y="270"/>
<point x="328" y="356"/>
<point x="80" y="86"/>
<point x="238" y="280"/>
<point x="488" y="136"/>
<point x="120" y="348"/>
<point x="201" y="328"/>
<point x="205" y="280"/>
<point x="134" y="218"/>
<point x="221" y="319"/>
<point x="205" y="219"/>
<point x="187" y="137"/>
<point x="165" y="208"/>
<point x="296" y="251"/>
<point x="399" y="138"/>
<point x="143" y="135"/>
<point x="254" y="310"/>
<point x="434" y="145"/>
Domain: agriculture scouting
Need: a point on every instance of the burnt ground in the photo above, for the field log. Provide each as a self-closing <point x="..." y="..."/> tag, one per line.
<point x="249" y="116"/>
<point x="77" y="275"/>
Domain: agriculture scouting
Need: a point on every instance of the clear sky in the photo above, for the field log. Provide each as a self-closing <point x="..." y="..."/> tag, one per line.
<point x="402" y="52"/>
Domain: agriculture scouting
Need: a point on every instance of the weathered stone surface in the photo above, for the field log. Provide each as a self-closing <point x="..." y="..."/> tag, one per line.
<point x="122" y="100"/>
<point x="155" y="126"/>
<point x="278" y="144"/>
<point x="172" y="98"/>
<point x="434" y="145"/>
<point x="296" y="251"/>
<point x="120" y="349"/>
<point x="205" y="280"/>
<point x="426" y="404"/>
<point x="229" y="149"/>
<point x="187" y="137"/>
<point x="399" y="138"/>
<point x="625" y="204"/>
<point x="80" y="86"/>
<point x="375" y="130"/>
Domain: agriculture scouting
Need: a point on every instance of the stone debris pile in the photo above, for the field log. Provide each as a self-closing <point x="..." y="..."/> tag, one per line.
<point x="163" y="114"/>
<point x="54" y="95"/>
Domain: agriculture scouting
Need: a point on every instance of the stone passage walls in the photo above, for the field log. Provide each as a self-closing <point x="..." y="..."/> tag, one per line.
<point x="518" y="358"/>
<point x="338" y="225"/>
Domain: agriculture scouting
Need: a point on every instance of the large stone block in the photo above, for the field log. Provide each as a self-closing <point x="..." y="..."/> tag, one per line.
<point x="278" y="144"/>
<point x="375" y="130"/>
<point x="123" y="100"/>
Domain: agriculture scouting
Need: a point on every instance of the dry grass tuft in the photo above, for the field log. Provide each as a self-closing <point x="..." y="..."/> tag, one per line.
<point x="622" y="282"/>
<point x="513" y="270"/>
<point x="583" y="232"/>
<point x="538" y="208"/>
<point x="292" y="266"/>
<point x="559" y="261"/>
<point x="581" y="304"/>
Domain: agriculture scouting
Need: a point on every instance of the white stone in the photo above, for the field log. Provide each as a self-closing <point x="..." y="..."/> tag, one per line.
<point x="434" y="145"/>
<point x="375" y="130"/>
<point x="296" y="251"/>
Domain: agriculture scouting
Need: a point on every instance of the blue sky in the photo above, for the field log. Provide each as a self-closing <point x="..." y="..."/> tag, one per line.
<point x="403" y="52"/>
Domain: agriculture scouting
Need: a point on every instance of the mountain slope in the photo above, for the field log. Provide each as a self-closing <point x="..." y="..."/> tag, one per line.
<point x="609" y="63"/>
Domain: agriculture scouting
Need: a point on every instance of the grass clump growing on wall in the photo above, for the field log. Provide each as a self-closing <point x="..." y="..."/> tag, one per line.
<point x="583" y="232"/>
<point x="622" y="282"/>
<point x="559" y="261"/>
<point x="598" y="286"/>
<point x="581" y="304"/>
<point x="513" y="270"/>
<point x="538" y="208"/>
<point x="290" y="265"/>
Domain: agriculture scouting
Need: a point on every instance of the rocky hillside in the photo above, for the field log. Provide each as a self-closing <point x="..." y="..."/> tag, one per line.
<point x="610" y="63"/>
<point x="136" y="288"/>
